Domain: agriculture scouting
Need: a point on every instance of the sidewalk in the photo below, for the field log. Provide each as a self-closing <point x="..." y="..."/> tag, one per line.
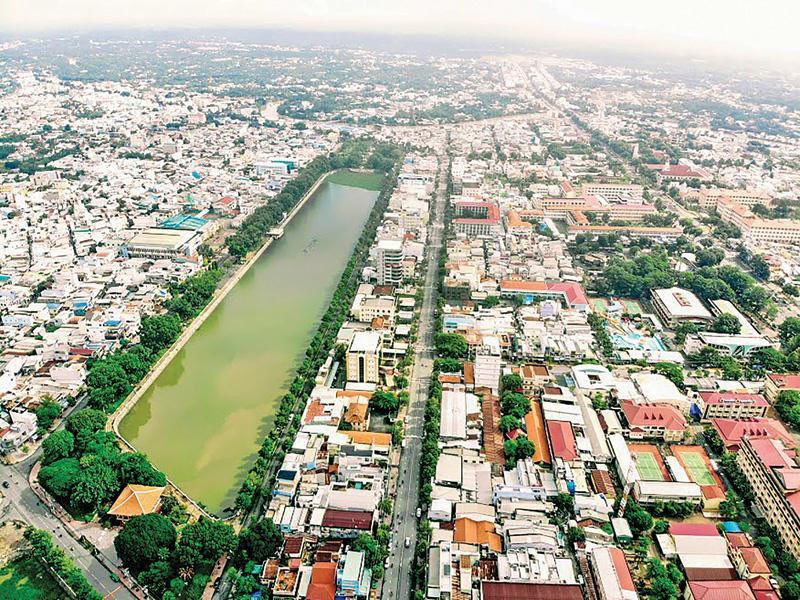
<point x="73" y="528"/>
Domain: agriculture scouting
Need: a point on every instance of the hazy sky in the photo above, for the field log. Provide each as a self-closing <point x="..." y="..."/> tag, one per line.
<point x="738" y="27"/>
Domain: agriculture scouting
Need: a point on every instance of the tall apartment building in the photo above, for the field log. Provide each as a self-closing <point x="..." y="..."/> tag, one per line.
<point x="363" y="357"/>
<point x="774" y="475"/>
<point x="390" y="262"/>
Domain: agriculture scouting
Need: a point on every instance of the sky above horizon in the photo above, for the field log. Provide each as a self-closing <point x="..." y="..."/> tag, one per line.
<point x="766" y="29"/>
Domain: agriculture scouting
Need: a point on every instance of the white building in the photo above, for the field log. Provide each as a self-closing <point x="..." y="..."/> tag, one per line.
<point x="390" y="262"/>
<point x="363" y="357"/>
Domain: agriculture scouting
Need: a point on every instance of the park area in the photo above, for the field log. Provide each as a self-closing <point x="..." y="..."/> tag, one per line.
<point x="22" y="578"/>
<point x="26" y="579"/>
<point x="366" y="180"/>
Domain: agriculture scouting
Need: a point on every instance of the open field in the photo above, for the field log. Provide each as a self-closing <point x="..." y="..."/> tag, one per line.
<point x="361" y="179"/>
<point x="25" y="579"/>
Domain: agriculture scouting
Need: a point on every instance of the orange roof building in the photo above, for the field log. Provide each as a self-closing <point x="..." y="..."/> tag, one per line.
<point x="370" y="438"/>
<point x="136" y="500"/>
<point x="481" y="533"/>
<point x="537" y="434"/>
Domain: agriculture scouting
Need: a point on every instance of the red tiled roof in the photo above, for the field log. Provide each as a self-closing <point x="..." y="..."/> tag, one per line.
<point x="771" y="452"/>
<point x="572" y="291"/>
<point x="789" y="381"/>
<point x="738" y="540"/>
<point x="653" y="415"/>
<point x="731" y="431"/>
<point x="323" y="582"/>
<point x="347" y="519"/>
<point x="562" y="440"/>
<point x="695" y="529"/>
<point x="734" y="398"/>
<point x="755" y="561"/>
<point x="502" y="590"/>
<point x="621" y="569"/>
<point x="720" y="590"/>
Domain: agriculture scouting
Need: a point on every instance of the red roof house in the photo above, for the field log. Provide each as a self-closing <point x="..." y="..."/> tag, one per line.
<point x="562" y="440"/>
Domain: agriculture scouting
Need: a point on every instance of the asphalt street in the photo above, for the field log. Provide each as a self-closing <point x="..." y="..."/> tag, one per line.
<point x="397" y="579"/>
<point x="21" y="504"/>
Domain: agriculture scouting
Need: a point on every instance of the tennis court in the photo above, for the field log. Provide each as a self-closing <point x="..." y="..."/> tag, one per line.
<point x="697" y="468"/>
<point x="648" y="467"/>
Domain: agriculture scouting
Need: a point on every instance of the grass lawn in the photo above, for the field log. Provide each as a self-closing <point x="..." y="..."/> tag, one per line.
<point x="367" y="181"/>
<point x="25" y="579"/>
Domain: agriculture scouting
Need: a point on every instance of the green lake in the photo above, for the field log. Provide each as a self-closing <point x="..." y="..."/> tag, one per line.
<point x="204" y="418"/>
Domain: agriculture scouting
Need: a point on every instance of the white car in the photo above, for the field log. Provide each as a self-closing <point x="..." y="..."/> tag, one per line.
<point x="408" y="542"/>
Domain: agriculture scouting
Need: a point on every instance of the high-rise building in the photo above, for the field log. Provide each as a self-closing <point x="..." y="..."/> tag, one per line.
<point x="390" y="262"/>
<point x="363" y="357"/>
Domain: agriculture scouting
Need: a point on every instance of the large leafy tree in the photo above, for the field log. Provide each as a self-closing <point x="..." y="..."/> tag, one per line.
<point x="260" y="542"/>
<point x="450" y="345"/>
<point x="60" y="477"/>
<point x="135" y="468"/>
<point x="203" y="542"/>
<point x="144" y="540"/>
<point x="159" y="331"/>
<point x="47" y="412"/>
<point x="57" y="445"/>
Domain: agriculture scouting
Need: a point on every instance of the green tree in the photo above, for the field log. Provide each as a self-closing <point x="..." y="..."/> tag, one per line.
<point x="144" y="540"/>
<point x="159" y="331"/>
<point x="367" y="544"/>
<point x="638" y="518"/>
<point x="135" y="468"/>
<point x="156" y="578"/>
<point x="57" y="445"/>
<point x="107" y="383"/>
<point x="203" y="542"/>
<point x="726" y="323"/>
<point x="789" y="334"/>
<point x="384" y="401"/>
<point x="47" y="413"/>
<point x="512" y="382"/>
<point x="84" y="423"/>
<point x="447" y="365"/>
<point x="450" y="345"/>
<point x="509" y="422"/>
<point x="515" y="404"/>
<point x="97" y="483"/>
<point x="683" y="330"/>
<point x="60" y="478"/>
<point x="760" y="267"/>
<point x="258" y="543"/>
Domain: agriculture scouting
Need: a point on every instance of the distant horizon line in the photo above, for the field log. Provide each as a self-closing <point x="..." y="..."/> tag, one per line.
<point x="471" y="42"/>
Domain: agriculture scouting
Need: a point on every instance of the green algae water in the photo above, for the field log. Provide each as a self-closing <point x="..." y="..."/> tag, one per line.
<point x="203" y="420"/>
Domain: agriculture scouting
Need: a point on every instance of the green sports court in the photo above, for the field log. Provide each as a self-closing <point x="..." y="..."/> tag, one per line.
<point x="648" y="467"/>
<point x="696" y="467"/>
